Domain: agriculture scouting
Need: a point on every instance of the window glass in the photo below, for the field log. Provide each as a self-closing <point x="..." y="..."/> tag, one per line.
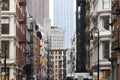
<point x="5" y="5"/>
<point x="106" y="49"/>
<point x="106" y="4"/>
<point x="5" y="48"/>
<point x="5" y="25"/>
<point x="105" y="22"/>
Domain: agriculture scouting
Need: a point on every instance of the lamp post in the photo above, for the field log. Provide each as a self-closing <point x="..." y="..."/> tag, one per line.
<point x="5" y="66"/>
<point x="93" y="31"/>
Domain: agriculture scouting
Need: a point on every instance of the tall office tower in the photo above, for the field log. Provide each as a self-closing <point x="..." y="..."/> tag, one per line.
<point x="39" y="9"/>
<point x="64" y="18"/>
<point x="56" y="38"/>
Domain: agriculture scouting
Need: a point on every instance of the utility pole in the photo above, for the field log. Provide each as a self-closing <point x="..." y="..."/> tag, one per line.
<point x="5" y="66"/>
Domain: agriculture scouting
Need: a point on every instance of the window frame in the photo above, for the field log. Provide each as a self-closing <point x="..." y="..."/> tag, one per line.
<point x="105" y="56"/>
<point x="4" y="5"/>
<point x="3" y="42"/>
<point x="103" y="22"/>
<point x="5" y="22"/>
<point x="104" y="4"/>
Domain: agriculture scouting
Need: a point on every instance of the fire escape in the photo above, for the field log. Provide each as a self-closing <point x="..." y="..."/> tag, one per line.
<point x="29" y="53"/>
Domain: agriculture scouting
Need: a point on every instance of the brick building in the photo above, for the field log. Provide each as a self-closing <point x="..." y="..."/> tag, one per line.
<point x="15" y="42"/>
<point x="115" y="55"/>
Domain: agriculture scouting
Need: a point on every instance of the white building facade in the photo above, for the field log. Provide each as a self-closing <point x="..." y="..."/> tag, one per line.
<point x="8" y="37"/>
<point x="100" y="14"/>
<point x="57" y="38"/>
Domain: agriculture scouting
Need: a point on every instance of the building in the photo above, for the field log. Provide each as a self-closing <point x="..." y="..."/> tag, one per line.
<point x="38" y="9"/>
<point x="71" y="59"/>
<point x="33" y="45"/>
<point x="45" y="46"/>
<point x="99" y="16"/>
<point x="56" y="45"/>
<point x="57" y="64"/>
<point x="13" y="27"/>
<point x="56" y="38"/>
<point x="115" y="57"/>
<point x="64" y="17"/>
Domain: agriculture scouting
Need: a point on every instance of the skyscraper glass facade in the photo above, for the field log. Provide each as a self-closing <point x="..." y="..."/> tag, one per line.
<point x="64" y="18"/>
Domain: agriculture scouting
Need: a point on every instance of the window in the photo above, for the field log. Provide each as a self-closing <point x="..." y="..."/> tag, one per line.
<point x="55" y="66"/>
<point x="55" y="57"/>
<point x="5" y="48"/>
<point x="106" y="49"/>
<point x="106" y="4"/>
<point x="5" y="25"/>
<point x="5" y="5"/>
<point x="105" y="22"/>
<point x="7" y="73"/>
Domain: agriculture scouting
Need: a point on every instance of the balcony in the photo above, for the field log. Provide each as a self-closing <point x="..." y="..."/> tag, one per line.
<point x="22" y="2"/>
<point x="116" y="7"/>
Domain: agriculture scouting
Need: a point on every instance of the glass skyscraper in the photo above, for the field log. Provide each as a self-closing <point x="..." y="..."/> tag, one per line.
<point x="64" y="18"/>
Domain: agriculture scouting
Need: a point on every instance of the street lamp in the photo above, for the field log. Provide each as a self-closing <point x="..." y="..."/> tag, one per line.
<point x="95" y="30"/>
<point x="5" y="56"/>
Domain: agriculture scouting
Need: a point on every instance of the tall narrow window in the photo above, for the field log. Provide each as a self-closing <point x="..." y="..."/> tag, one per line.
<point x="106" y="4"/>
<point x="5" y="5"/>
<point x="105" y="22"/>
<point x="5" y="48"/>
<point x="106" y="49"/>
<point x="5" y="25"/>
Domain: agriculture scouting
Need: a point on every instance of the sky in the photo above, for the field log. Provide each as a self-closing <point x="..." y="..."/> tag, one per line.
<point x="63" y="16"/>
<point x="51" y="11"/>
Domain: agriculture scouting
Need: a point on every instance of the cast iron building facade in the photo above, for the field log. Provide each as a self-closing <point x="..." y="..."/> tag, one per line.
<point x="99" y="17"/>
